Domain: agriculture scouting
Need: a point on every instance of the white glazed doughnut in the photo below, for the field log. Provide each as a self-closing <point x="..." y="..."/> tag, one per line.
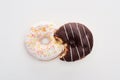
<point x="41" y="44"/>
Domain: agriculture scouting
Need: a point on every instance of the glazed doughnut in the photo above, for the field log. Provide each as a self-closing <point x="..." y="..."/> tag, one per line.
<point x="79" y="41"/>
<point x="41" y="43"/>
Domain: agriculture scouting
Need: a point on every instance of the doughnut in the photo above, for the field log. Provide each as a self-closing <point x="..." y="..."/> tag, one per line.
<point x="41" y="44"/>
<point x="79" y="41"/>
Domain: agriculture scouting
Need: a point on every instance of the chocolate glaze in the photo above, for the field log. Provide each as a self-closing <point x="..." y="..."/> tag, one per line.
<point x="79" y="40"/>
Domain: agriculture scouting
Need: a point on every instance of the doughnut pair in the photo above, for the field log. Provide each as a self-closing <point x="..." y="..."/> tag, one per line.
<point x="71" y="42"/>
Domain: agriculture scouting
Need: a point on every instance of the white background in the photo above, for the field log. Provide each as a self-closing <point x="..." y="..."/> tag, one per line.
<point x="102" y="17"/>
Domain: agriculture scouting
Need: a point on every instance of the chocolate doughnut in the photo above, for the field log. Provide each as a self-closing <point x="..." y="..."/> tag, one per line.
<point x="79" y="41"/>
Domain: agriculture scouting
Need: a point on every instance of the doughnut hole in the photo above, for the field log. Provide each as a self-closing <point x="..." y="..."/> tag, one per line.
<point x="45" y="41"/>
